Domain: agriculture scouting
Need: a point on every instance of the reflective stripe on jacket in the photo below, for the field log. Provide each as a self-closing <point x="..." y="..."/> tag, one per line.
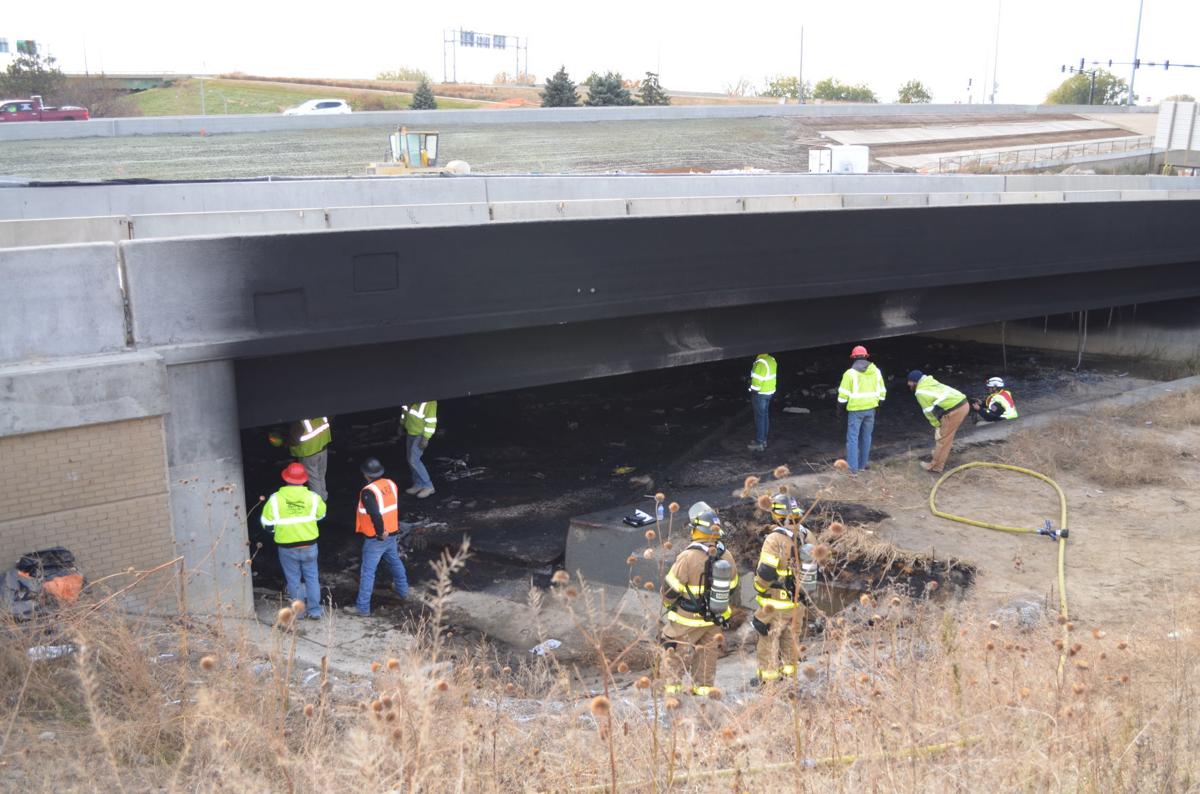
<point x="293" y="512"/>
<point x="684" y="590"/>
<point x="420" y="419"/>
<point x="762" y="375"/>
<point x="309" y="436"/>
<point x="1005" y="399"/>
<point x="779" y="556"/>
<point x="862" y="391"/>
<point x="387" y="498"/>
<point x="931" y="394"/>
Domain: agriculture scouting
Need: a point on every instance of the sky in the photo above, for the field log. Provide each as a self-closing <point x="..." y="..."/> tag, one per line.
<point x="696" y="46"/>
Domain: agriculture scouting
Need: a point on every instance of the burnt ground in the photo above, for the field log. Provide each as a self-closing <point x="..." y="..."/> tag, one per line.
<point x="512" y="468"/>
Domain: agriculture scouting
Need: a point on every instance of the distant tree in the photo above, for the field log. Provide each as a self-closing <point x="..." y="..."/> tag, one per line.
<point x="100" y="98"/>
<point x="520" y="78"/>
<point x="423" y="97"/>
<point x="1075" y="90"/>
<point x="607" y="89"/>
<point x="652" y="93"/>
<point x="560" y="91"/>
<point x="405" y="74"/>
<point x="1180" y="98"/>
<point x="32" y="73"/>
<point x="740" y="88"/>
<point x="788" y="86"/>
<point x="833" y="90"/>
<point x="914" y="92"/>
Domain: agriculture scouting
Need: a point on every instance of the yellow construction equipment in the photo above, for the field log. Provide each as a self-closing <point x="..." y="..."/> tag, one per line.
<point x="410" y="152"/>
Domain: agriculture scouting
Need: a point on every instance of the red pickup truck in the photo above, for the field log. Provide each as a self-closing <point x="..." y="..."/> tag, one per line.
<point x="32" y="109"/>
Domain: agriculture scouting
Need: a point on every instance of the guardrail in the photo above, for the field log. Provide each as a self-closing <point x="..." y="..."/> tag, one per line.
<point x="1039" y="155"/>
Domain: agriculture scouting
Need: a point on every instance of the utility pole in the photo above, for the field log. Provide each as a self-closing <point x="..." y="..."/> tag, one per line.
<point x="800" y="88"/>
<point x="996" y="52"/>
<point x="1136" y="40"/>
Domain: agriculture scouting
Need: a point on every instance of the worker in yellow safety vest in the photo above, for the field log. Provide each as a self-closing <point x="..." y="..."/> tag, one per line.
<point x="999" y="404"/>
<point x="696" y="593"/>
<point x="860" y="393"/>
<point x="308" y="442"/>
<point x="419" y="423"/>
<point x="763" y="375"/>
<point x="945" y="408"/>
<point x="292" y="513"/>
<point x="785" y="575"/>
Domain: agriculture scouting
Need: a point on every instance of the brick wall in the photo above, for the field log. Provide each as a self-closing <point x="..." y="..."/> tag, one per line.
<point x="99" y="490"/>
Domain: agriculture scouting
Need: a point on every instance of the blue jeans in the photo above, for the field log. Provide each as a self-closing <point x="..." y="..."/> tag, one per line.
<point x="375" y="550"/>
<point x="301" y="564"/>
<point x="762" y="422"/>
<point x="420" y="475"/>
<point x="859" y="426"/>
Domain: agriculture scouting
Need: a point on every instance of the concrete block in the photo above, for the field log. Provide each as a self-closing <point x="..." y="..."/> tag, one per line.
<point x="69" y="302"/>
<point x="1144" y="195"/>
<point x="1032" y="197"/>
<point x="62" y="231"/>
<point x="706" y="205"/>
<point x="1091" y="195"/>
<point x="204" y="459"/>
<point x="955" y="199"/>
<point x="199" y="224"/>
<point x="406" y="215"/>
<point x="1183" y="195"/>
<point x="73" y="392"/>
<point x="818" y="201"/>
<point x="553" y="210"/>
<point x="866" y="200"/>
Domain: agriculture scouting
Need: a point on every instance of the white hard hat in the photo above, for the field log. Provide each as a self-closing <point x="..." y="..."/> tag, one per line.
<point x="995" y="383"/>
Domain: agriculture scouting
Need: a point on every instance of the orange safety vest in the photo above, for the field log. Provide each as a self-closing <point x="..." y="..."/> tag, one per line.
<point x="387" y="496"/>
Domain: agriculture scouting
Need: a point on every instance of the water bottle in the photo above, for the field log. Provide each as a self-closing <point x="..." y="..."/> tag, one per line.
<point x="808" y="569"/>
<point x="658" y="511"/>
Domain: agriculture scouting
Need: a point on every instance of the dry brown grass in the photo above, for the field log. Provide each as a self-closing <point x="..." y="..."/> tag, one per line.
<point x="1105" y="453"/>
<point x="984" y="696"/>
<point x="1172" y="412"/>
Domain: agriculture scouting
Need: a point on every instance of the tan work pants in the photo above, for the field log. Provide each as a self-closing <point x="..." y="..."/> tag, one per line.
<point x="945" y="440"/>
<point x="691" y="649"/>
<point x="779" y="651"/>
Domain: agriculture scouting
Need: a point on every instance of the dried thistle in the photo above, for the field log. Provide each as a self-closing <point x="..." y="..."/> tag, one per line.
<point x="208" y="662"/>
<point x="441" y="686"/>
<point x="673" y="507"/>
<point x="393" y="663"/>
<point x="284" y="616"/>
<point x="601" y="706"/>
<point x="836" y="528"/>
<point x="631" y="560"/>
<point x="1098" y="634"/>
<point x="560" y="577"/>
<point x="308" y="710"/>
<point x="651" y="534"/>
<point x="763" y="503"/>
<point x="648" y="585"/>
<point x="714" y="694"/>
<point x="376" y="667"/>
<point x="670" y="704"/>
<point x="821" y="553"/>
<point x="781" y="472"/>
<point x="668" y="545"/>
<point x="660" y="497"/>
<point x="643" y="683"/>
<point x="298" y="607"/>
<point x="622" y="668"/>
<point x="809" y="672"/>
<point x="841" y="465"/>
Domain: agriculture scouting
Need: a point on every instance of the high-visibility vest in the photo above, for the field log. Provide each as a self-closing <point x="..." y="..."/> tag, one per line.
<point x="311" y="436"/>
<point x="762" y="375"/>
<point x="1005" y="399"/>
<point x="862" y="391"/>
<point x="778" y="552"/>
<point x="293" y="511"/>
<point x="931" y="394"/>
<point x="420" y="419"/>
<point x="387" y="497"/>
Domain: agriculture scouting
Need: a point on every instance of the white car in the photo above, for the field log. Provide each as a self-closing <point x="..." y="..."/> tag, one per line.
<point x="319" y="107"/>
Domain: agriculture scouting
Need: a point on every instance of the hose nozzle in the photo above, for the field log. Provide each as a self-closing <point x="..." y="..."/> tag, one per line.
<point x="1054" y="534"/>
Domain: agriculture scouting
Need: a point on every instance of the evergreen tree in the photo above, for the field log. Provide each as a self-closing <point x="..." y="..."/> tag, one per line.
<point x="32" y="73"/>
<point x="423" y="97"/>
<point x="608" y="89"/>
<point x="652" y="93"/>
<point x="560" y="91"/>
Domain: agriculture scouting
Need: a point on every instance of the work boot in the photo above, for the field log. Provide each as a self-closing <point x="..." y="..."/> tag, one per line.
<point x="755" y="446"/>
<point x="926" y="465"/>
<point x="352" y="610"/>
<point x="425" y="493"/>
<point x="413" y="489"/>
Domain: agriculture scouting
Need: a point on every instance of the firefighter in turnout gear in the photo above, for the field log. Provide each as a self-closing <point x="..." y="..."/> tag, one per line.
<point x="784" y="575"/>
<point x="696" y="595"/>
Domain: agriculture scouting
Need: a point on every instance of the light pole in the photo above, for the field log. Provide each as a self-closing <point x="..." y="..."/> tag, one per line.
<point x="1136" y="40"/>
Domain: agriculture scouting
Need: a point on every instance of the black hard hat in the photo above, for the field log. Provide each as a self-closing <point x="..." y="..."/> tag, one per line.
<point x="371" y="467"/>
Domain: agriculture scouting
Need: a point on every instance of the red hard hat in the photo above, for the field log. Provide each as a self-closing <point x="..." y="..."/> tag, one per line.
<point x="859" y="352"/>
<point x="295" y="474"/>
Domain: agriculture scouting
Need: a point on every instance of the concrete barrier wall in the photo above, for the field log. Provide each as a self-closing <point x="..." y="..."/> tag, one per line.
<point x="61" y="231"/>
<point x="81" y="201"/>
<point x="217" y="124"/>
<point x="68" y="302"/>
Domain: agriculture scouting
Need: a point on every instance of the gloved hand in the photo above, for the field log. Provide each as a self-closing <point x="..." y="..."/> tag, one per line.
<point x="841" y="410"/>
<point x="423" y="442"/>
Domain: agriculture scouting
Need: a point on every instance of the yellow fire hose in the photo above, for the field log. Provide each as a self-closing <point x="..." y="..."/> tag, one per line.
<point x="1059" y="534"/>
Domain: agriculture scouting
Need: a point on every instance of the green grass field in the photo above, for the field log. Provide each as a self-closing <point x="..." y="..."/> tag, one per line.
<point x="236" y="96"/>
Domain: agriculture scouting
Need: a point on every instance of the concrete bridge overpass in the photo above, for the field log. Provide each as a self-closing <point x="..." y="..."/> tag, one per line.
<point x="437" y="289"/>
